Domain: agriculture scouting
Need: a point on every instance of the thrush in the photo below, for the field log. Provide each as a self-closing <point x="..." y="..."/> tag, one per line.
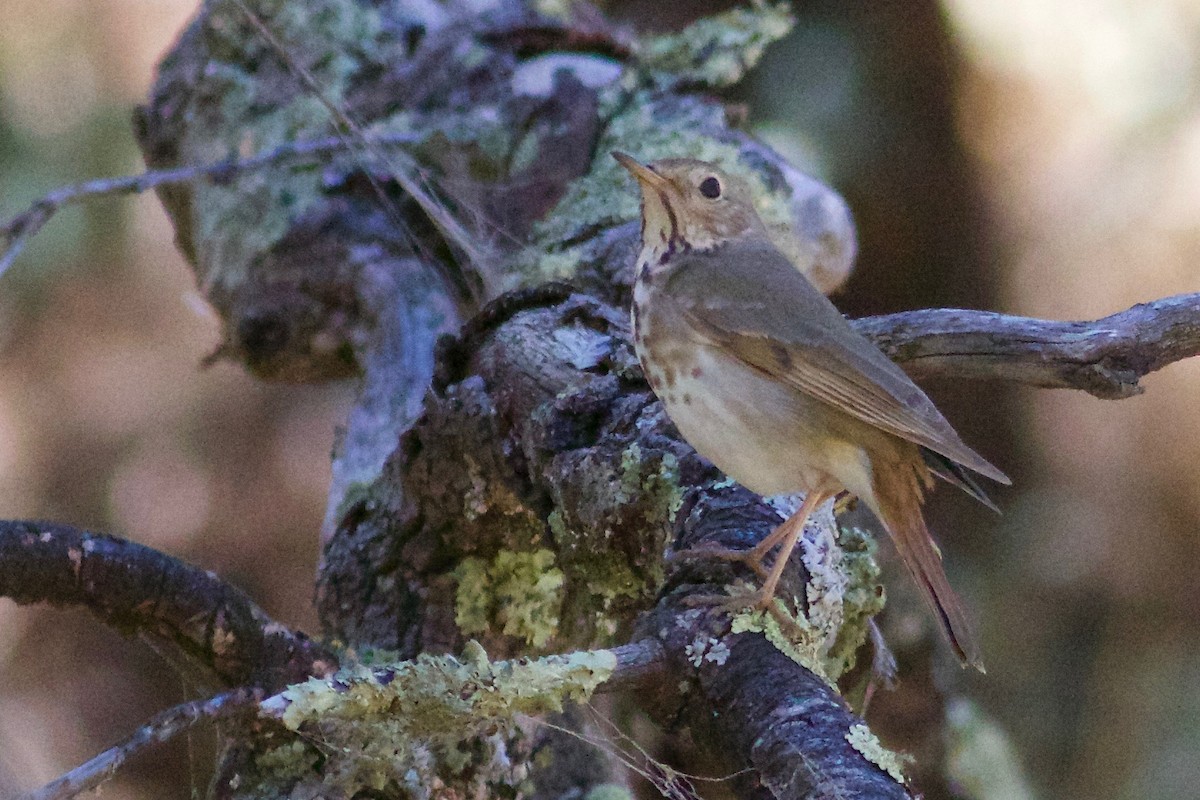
<point x="764" y="377"/>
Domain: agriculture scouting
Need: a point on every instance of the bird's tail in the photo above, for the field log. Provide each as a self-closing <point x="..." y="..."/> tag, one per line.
<point x="956" y="474"/>
<point x="898" y="494"/>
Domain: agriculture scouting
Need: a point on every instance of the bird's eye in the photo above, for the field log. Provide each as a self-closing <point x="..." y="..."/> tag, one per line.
<point x="710" y="187"/>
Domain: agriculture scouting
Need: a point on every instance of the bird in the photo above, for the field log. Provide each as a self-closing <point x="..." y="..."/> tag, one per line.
<point x="764" y="377"/>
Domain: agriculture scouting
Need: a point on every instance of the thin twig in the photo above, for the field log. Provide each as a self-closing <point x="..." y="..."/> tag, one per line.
<point x="161" y="728"/>
<point x="17" y="232"/>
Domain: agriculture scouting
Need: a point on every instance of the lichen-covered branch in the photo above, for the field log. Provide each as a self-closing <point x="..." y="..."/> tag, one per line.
<point x="530" y="499"/>
<point x="403" y="725"/>
<point x="1104" y="357"/>
<point x="136" y="589"/>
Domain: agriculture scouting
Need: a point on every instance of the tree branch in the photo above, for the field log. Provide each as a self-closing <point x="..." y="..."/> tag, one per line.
<point x="137" y="589"/>
<point x="1105" y="357"/>
<point x="161" y="728"/>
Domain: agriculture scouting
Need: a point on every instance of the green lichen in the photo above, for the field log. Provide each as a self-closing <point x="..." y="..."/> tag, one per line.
<point x="292" y="760"/>
<point x="235" y="223"/>
<point x="654" y="483"/>
<point x="643" y="121"/>
<point x="843" y="593"/>
<point x="405" y="723"/>
<point x="801" y="642"/>
<point x="641" y="489"/>
<point x="718" y="50"/>
<point x="862" y="598"/>
<point x="604" y="577"/>
<point x="517" y="593"/>
<point x="868" y="744"/>
<point x="472" y="601"/>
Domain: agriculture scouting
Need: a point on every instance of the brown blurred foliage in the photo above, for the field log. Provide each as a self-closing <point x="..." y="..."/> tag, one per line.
<point x="1033" y="157"/>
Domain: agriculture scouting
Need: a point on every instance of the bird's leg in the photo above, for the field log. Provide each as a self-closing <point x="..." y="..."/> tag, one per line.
<point x="791" y="529"/>
<point x="752" y="558"/>
<point x="788" y="532"/>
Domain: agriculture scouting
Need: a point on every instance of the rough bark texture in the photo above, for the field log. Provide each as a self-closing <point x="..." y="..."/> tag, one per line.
<point x="135" y="589"/>
<point x="1105" y="357"/>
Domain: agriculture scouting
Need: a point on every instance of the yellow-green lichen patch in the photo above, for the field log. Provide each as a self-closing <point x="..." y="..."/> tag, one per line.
<point x="386" y="724"/>
<point x="862" y="597"/>
<point x="518" y="593"/>
<point x="867" y="743"/>
<point x="610" y="529"/>
<point x="842" y="595"/>
<point x="654" y="482"/>
<point x="801" y="642"/>
<point x="716" y="50"/>
<point x="292" y="760"/>
<point x="600" y="581"/>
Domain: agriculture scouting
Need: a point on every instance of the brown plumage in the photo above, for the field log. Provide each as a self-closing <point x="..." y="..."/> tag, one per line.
<point x="763" y="376"/>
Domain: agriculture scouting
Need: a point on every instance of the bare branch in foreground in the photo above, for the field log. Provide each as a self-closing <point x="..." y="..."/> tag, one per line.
<point x="161" y="728"/>
<point x="1104" y="357"/>
<point x="17" y="232"/>
<point x="136" y="588"/>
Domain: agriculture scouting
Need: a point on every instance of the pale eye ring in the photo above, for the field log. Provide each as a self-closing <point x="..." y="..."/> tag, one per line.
<point x="710" y="187"/>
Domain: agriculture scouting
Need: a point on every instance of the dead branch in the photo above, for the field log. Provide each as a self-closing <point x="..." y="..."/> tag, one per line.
<point x="136" y="589"/>
<point x="161" y="728"/>
<point x="1104" y="357"/>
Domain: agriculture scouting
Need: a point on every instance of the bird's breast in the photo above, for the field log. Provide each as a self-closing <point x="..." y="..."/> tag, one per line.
<point x="764" y="435"/>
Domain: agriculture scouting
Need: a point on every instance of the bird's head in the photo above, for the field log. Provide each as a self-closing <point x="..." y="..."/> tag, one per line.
<point x="688" y="203"/>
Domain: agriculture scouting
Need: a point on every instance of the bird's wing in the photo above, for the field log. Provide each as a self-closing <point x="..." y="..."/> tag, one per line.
<point x="749" y="299"/>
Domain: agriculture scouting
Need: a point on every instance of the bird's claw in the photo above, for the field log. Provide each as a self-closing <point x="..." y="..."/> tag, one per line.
<point x="751" y="559"/>
<point x="756" y="600"/>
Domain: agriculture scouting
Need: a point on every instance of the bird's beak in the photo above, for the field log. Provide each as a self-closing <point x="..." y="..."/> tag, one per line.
<point x="645" y="176"/>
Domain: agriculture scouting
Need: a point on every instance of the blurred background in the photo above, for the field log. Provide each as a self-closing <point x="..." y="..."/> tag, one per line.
<point x="1039" y="157"/>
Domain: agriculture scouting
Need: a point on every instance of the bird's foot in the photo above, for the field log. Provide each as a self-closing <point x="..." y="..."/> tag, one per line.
<point x="751" y="559"/>
<point x="739" y="600"/>
<point x="733" y="603"/>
